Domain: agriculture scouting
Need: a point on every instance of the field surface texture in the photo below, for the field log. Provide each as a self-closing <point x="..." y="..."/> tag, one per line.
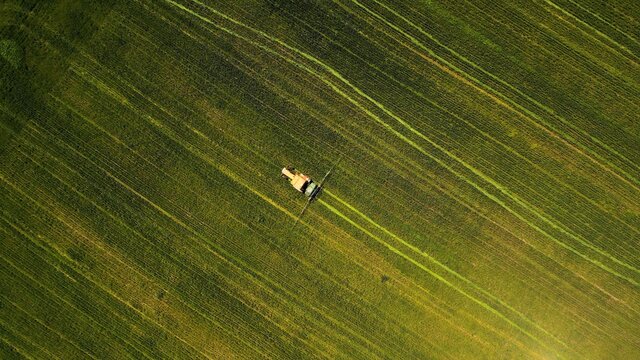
<point x="486" y="204"/>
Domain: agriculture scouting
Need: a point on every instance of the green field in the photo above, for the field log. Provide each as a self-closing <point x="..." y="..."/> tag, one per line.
<point x="486" y="205"/>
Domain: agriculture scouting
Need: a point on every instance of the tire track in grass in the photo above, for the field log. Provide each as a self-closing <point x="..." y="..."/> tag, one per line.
<point x="426" y="291"/>
<point x="19" y="349"/>
<point x="438" y="310"/>
<point x="229" y="173"/>
<point x="59" y="334"/>
<point x="435" y="261"/>
<point x="141" y="272"/>
<point x="90" y="320"/>
<point x="550" y="273"/>
<point x="556" y="32"/>
<point x="407" y="126"/>
<point x="523" y="24"/>
<point x="260" y="195"/>
<point x="475" y="211"/>
<point x="504" y="100"/>
<point x="560" y="32"/>
<point x="108" y="252"/>
<point x="271" y="202"/>
<point x="257" y="154"/>
<point x="446" y="311"/>
<point x="423" y="289"/>
<point x="439" y="107"/>
<point x="6" y="329"/>
<point x="117" y="220"/>
<point x="407" y="140"/>
<point x="442" y="279"/>
<point x="120" y="97"/>
<point x="266" y="199"/>
<point x="501" y="189"/>
<point x="294" y="216"/>
<point x="266" y="160"/>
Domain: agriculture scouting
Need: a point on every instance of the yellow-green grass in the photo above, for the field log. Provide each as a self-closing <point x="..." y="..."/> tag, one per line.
<point x="486" y="204"/>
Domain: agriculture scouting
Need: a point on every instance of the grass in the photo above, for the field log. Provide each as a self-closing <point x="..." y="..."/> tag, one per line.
<point x="485" y="207"/>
